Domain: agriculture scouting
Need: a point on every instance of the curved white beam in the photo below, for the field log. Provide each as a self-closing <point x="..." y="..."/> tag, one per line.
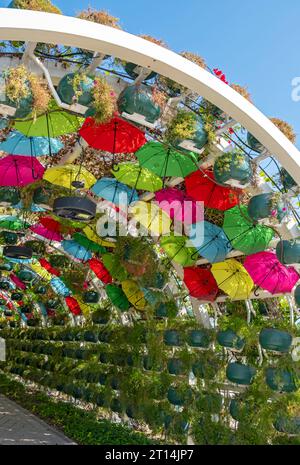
<point x="51" y="28"/>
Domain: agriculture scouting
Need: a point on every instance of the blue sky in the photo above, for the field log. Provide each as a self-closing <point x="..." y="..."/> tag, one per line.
<point x="255" y="43"/>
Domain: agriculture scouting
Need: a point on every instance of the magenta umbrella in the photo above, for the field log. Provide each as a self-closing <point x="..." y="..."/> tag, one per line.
<point x="44" y="232"/>
<point x="268" y="273"/>
<point x="179" y="206"/>
<point x="20" y="171"/>
<point x="17" y="281"/>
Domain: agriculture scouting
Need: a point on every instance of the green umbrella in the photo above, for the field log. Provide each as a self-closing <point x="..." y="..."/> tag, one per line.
<point x="13" y="223"/>
<point x="243" y="233"/>
<point x="90" y="245"/>
<point x="165" y="161"/>
<point x="115" y="268"/>
<point x="54" y="123"/>
<point x="117" y="297"/>
<point x="177" y="248"/>
<point x="137" y="177"/>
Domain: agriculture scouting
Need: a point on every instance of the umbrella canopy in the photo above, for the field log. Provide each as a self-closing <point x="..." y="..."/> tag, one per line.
<point x="33" y="207"/>
<point x="233" y="279"/>
<point x="13" y="223"/>
<point x="201" y="283"/>
<point x="48" y="267"/>
<point x="18" y="144"/>
<point x="100" y="271"/>
<point x="179" y="206"/>
<point x="268" y="273"/>
<point x="178" y="249"/>
<point x="19" y="171"/>
<point x="46" y="233"/>
<point x="210" y="241"/>
<point x="50" y="223"/>
<point x="165" y="161"/>
<point x="59" y="287"/>
<point x="114" y="191"/>
<point x="116" y="136"/>
<point x="246" y="236"/>
<point x="139" y="178"/>
<point x="54" y="123"/>
<point x="93" y="236"/>
<point x="41" y="271"/>
<point x="134" y="294"/>
<point x="151" y="217"/>
<point x="89" y="245"/>
<point x="117" y="297"/>
<point x="67" y="174"/>
<point x="201" y="186"/>
<point x="76" y="250"/>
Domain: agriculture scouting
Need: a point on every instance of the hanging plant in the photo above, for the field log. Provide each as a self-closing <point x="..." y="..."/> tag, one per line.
<point x="103" y="100"/>
<point x="100" y="17"/>
<point x="285" y="128"/>
<point x="243" y="91"/>
<point x="37" y="5"/>
<point x="182" y="126"/>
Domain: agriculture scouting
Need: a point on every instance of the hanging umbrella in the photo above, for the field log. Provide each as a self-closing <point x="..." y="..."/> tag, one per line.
<point x="73" y="305"/>
<point x="202" y="186"/>
<point x="116" y="136"/>
<point x="16" y="282"/>
<point x="76" y="250"/>
<point x="91" y="234"/>
<point x="50" y="223"/>
<point x="151" y="217"/>
<point x="179" y="206"/>
<point x="100" y="271"/>
<point x="178" y="249"/>
<point x="67" y="174"/>
<point x="48" y="267"/>
<point x="89" y="245"/>
<point x="117" y="297"/>
<point x="233" y="279"/>
<point x="41" y="271"/>
<point x="19" y="171"/>
<point x="210" y="241"/>
<point x="59" y="287"/>
<point x="246" y="236"/>
<point x="54" y="123"/>
<point x="12" y="223"/>
<point x="134" y="294"/>
<point x="40" y="230"/>
<point x="268" y="273"/>
<point x="33" y="207"/>
<point x="165" y="161"/>
<point x="201" y="283"/>
<point x="138" y="178"/>
<point x="114" y="191"/>
<point x="18" y="144"/>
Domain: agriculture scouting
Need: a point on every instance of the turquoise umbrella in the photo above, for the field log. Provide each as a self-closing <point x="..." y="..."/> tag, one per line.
<point x="210" y="241"/>
<point x="114" y="191"/>
<point x="76" y="250"/>
<point x="18" y="144"/>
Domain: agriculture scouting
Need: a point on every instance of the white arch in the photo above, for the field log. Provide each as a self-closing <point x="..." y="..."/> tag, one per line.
<point x="51" y="28"/>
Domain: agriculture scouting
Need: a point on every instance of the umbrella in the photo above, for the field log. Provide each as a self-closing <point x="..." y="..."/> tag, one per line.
<point x="54" y="123"/>
<point x="18" y="144"/>
<point x="87" y="243"/>
<point x="38" y="268"/>
<point x="268" y="273"/>
<point x="93" y="236"/>
<point x="202" y="186"/>
<point x="76" y="250"/>
<point x="59" y="287"/>
<point x="151" y="217"/>
<point x="138" y="178"/>
<point x="46" y="233"/>
<point x="210" y="241"/>
<point x="116" y="136"/>
<point x="48" y="267"/>
<point x="67" y="174"/>
<point x="73" y="305"/>
<point x="114" y="191"/>
<point x="19" y="171"/>
<point x="50" y="223"/>
<point x="179" y="206"/>
<point x="33" y="207"/>
<point x="13" y="223"/>
<point x="178" y="249"/>
<point x="16" y="282"/>
<point x="201" y="283"/>
<point x="117" y="297"/>
<point x="134" y="294"/>
<point x="233" y="279"/>
<point x="100" y="271"/>
<point x="165" y="161"/>
<point x="246" y="236"/>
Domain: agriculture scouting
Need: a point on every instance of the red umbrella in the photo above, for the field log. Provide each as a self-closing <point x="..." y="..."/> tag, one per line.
<point x="117" y="136"/>
<point x="73" y="305"/>
<point x="201" y="186"/>
<point x="50" y="224"/>
<point x="100" y="271"/>
<point x="45" y="264"/>
<point x="201" y="283"/>
<point x="19" y="171"/>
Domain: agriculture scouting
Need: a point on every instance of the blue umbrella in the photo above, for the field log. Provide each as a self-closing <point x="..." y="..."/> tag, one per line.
<point x="210" y="241"/>
<point x="76" y="250"/>
<point x="59" y="287"/>
<point x="18" y="144"/>
<point x="20" y="260"/>
<point x="33" y="207"/>
<point x="114" y="191"/>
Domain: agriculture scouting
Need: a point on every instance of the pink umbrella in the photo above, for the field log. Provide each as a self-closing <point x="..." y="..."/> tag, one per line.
<point x="17" y="281"/>
<point x="19" y="171"/>
<point x="268" y="273"/>
<point x="179" y="206"/>
<point x="44" y="232"/>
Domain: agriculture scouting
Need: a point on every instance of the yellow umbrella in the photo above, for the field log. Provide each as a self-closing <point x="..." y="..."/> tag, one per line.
<point x="233" y="279"/>
<point x="151" y="217"/>
<point x="65" y="175"/>
<point x="93" y="236"/>
<point x="134" y="294"/>
<point x="85" y="308"/>
<point x="37" y="268"/>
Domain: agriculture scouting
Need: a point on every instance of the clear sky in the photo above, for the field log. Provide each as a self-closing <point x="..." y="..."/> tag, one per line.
<point x="255" y="42"/>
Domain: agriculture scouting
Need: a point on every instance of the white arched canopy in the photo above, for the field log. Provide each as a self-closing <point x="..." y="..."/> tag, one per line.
<point x="36" y="26"/>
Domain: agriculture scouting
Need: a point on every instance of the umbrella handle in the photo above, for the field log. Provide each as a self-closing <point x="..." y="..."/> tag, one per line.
<point x="115" y="167"/>
<point x="256" y="293"/>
